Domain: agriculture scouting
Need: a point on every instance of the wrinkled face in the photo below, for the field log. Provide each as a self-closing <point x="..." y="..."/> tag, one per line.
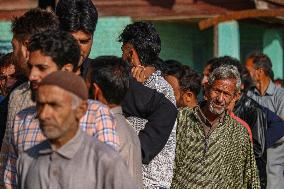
<point x="206" y="73"/>
<point x="55" y="113"/>
<point x="20" y="55"/>
<point x="85" y="41"/>
<point x="40" y="66"/>
<point x="173" y="81"/>
<point x="220" y="94"/>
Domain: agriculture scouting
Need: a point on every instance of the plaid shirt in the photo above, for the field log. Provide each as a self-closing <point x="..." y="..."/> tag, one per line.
<point x="97" y="122"/>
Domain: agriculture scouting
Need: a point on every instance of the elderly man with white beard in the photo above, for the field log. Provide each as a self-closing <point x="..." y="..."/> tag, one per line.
<point x="214" y="150"/>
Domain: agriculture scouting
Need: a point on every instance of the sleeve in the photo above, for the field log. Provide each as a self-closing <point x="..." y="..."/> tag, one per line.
<point x="106" y="128"/>
<point x="117" y="176"/>
<point x="10" y="171"/>
<point x="6" y="131"/>
<point x="251" y="179"/>
<point x="275" y="127"/>
<point x="143" y="102"/>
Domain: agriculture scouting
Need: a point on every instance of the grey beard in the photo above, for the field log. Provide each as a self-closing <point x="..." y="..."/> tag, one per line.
<point x="214" y="111"/>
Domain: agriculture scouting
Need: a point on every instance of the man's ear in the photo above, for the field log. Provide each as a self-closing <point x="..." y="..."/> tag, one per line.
<point x="81" y="109"/>
<point x="26" y="52"/>
<point x="187" y="96"/>
<point x="96" y="90"/>
<point x="67" y="68"/>
<point x="237" y="96"/>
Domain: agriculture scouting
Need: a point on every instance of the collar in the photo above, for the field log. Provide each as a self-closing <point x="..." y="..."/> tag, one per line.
<point x="69" y="149"/>
<point x="269" y="91"/>
<point x="201" y="117"/>
<point x="116" y="110"/>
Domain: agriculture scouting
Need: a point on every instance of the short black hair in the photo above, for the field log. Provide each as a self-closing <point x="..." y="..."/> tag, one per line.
<point x="261" y="60"/>
<point x="188" y="78"/>
<point x="32" y="22"/>
<point x="224" y="60"/>
<point x="227" y="60"/>
<point x="112" y="75"/>
<point x="172" y="67"/>
<point x="6" y="60"/>
<point x="59" y="45"/>
<point x="145" y="39"/>
<point x="75" y="15"/>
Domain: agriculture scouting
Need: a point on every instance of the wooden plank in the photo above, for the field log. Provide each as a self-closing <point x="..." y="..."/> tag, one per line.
<point x="143" y="9"/>
<point x="239" y="15"/>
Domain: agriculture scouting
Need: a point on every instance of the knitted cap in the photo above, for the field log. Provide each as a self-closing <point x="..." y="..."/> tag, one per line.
<point x="67" y="81"/>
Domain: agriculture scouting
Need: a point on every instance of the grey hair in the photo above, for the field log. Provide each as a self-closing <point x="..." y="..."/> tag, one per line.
<point x="225" y="72"/>
<point x="76" y="101"/>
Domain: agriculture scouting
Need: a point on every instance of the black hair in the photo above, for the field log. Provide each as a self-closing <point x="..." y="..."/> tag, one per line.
<point x="111" y="74"/>
<point x="227" y="60"/>
<point x="59" y="45"/>
<point x="188" y="78"/>
<point x="145" y="39"/>
<point x="224" y="60"/>
<point x="261" y="60"/>
<point x="6" y="60"/>
<point x="75" y="15"/>
<point x="172" y="67"/>
<point x="32" y="22"/>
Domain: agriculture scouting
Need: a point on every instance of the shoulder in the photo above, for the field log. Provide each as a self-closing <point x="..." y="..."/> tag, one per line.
<point x="33" y="153"/>
<point x="25" y="115"/>
<point x="21" y="88"/>
<point x="185" y="116"/>
<point x="94" y="106"/>
<point x="279" y="93"/>
<point x="237" y="127"/>
<point x="102" y="152"/>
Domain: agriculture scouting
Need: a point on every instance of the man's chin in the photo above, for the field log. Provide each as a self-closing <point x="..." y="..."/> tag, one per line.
<point x="216" y="111"/>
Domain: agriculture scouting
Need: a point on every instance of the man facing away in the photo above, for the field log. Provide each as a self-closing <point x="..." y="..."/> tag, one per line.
<point x="268" y="95"/>
<point x="69" y="158"/>
<point x="108" y="79"/>
<point x="79" y="18"/>
<point x="214" y="150"/>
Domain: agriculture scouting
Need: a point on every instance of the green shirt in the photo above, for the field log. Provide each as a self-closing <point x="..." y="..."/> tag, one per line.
<point x="224" y="159"/>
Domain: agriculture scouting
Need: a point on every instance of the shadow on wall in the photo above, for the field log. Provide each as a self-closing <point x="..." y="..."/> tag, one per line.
<point x="162" y="3"/>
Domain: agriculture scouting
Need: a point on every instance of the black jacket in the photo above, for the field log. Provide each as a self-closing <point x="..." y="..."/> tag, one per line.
<point x="251" y="112"/>
<point x="143" y="102"/>
<point x="146" y="103"/>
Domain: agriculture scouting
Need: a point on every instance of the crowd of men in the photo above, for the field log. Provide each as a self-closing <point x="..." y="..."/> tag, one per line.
<point x="69" y="121"/>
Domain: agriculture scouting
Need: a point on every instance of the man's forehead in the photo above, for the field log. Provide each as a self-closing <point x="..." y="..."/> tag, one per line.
<point x="52" y="92"/>
<point x="81" y="35"/>
<point x="224" y="83"/>
<point x="37" y="57"/>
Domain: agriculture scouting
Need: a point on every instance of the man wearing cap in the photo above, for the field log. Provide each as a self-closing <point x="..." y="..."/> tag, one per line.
<point x="61" y="103"/>
<point x="52" y="51"/>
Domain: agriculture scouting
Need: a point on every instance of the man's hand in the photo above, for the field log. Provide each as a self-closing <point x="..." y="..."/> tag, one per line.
<point x="138" y="72"/>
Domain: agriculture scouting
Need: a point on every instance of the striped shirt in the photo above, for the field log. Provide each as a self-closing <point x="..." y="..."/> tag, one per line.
<point x="97" y="122"/>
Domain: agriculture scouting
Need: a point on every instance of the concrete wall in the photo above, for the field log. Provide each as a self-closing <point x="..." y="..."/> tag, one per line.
<point x="185" y="42"/>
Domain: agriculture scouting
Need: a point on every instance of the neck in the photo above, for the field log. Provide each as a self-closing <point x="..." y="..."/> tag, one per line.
<point x="59" y="142"/>
<point x="262" y="85"/>
<point x="112" y="105"/>
<point x="149" y="70"/>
